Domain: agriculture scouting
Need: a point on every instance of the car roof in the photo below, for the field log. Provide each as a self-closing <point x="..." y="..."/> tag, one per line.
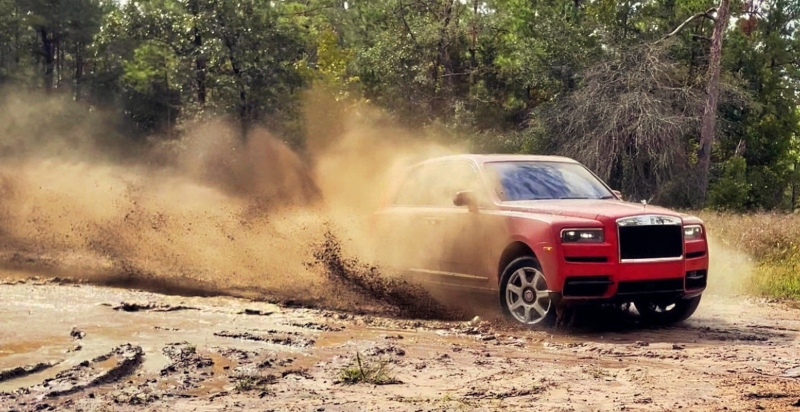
<point x="488" y="158"/>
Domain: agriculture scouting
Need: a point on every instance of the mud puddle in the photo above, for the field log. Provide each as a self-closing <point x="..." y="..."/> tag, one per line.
<point x="219" y="353"/>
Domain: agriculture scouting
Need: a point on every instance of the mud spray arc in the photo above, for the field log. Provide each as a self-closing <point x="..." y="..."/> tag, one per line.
<point x="208" y="213"/>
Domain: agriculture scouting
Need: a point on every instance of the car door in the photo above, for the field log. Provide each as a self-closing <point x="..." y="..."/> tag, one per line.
<point x="408" y="226"/>
<point x="470" y="235"/>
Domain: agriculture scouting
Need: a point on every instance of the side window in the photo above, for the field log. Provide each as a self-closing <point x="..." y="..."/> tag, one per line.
<point x="457" y="177"/>
<point x="412" y="191"/>
<point x="436" y="184"/>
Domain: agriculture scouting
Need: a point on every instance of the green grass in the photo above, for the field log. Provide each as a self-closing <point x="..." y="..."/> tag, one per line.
<point x="253" y="382"/>
<point x="373" y="372"/>
<point x="772" y="243"/>
<point x="778" y="279"/>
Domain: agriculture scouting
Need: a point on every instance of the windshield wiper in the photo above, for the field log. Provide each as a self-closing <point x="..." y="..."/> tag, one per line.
<point x="609" y="197"/>
<point x="574" y="197"/>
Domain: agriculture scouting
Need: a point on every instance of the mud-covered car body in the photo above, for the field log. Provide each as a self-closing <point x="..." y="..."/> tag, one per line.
<point x="462" y="220"/>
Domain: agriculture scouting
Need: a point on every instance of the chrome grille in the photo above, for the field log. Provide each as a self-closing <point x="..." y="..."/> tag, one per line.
<point x="650" y="237"/>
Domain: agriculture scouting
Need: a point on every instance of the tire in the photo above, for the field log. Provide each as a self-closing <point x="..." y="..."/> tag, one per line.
<point x="666" y="312"/>
<point x="524" y="294"/>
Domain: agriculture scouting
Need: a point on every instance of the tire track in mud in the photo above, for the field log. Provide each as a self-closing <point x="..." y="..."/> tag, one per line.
<point x="111" y="367"/>
<point x="274" y="337"/>
<point x="22" y="371"/>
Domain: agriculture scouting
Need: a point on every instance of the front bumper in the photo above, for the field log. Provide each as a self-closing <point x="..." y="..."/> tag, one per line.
<point x="628" y="281"/>
<point x="597" y="272"/>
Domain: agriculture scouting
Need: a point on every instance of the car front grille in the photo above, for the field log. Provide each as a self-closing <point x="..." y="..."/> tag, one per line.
<point x="649" y="238"/>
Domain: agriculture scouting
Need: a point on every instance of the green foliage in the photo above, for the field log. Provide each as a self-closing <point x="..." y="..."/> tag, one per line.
<point x="772" y="240"/>
<point x="779" y="279"/>
<point x="730" y="191"/>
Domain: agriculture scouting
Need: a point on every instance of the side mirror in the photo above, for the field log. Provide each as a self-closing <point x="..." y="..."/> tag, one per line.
<point x="466" y="198"/>
<point x="617" y="193"/>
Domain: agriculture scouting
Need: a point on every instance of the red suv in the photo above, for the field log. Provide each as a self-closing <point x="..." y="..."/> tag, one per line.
<point x="541" y="232"/>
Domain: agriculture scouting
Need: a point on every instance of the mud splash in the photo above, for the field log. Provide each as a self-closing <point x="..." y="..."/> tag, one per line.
<point x="409" y="299"/>
<point x="208" y="214"/>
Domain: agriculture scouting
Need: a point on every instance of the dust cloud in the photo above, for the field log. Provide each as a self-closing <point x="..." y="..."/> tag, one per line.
<point x="208" y="212"/>
<point x="729" y="271"/>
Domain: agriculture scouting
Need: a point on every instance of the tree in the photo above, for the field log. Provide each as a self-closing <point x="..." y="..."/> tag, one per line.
<point x="10" y="40"/>
<point x="64" y="28"/>
<point x="629" y="120"/>
<point x="707" y="136"/>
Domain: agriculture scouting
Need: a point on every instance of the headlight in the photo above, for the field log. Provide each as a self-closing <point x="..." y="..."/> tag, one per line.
<point x="582" y="236"/>
<point x="694" y="232"/>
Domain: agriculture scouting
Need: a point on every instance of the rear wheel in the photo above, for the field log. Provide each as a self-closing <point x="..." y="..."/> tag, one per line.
<point x="667" y="311"/>
<point x="524" y="295"/>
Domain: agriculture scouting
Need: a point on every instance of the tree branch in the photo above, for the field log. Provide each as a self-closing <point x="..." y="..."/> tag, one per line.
<point x="405" y="23"/>
<point x="705" y="14"/>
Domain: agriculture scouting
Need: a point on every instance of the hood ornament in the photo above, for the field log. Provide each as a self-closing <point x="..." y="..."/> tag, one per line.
<point x="644" y="203"/>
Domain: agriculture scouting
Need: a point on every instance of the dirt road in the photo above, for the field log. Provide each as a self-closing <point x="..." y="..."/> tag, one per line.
<point x="80" y="347"/>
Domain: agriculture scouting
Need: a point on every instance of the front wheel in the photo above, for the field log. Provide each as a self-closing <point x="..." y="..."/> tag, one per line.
<point x="667" y="311"/>
<point x="524" y="295"/>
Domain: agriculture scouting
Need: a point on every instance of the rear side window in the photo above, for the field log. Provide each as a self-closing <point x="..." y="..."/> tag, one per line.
<point x="437" y="184"/>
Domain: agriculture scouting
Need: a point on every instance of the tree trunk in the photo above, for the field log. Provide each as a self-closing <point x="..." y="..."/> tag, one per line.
<point x="17" y="36"/>
<point x="78" y="70"/>
<point x="48" y="50"/>
<point x="712" y="96"/>
<point x="59" y="62"/>
<point x="795" y="175"/>
<point x="473" y="59"/>
<point x="442" y="65"/>
<point x="200" y="60"/>
<point x="200" y="65"/>
<point x="230" y="41"/>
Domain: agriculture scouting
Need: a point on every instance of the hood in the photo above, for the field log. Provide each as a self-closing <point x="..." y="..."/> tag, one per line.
<point x="586" y="208"/>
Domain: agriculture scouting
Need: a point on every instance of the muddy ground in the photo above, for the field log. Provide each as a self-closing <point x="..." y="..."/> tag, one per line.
<point x="66" y="346"/>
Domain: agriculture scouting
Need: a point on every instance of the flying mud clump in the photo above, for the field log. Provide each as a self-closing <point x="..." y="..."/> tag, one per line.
<point x="408" y="299"/>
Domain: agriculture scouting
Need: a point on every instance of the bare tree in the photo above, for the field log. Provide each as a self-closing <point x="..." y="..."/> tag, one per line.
<point x="630" y="119"/>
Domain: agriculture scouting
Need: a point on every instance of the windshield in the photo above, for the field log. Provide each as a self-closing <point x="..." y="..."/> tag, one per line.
<point x="545" y="180"/>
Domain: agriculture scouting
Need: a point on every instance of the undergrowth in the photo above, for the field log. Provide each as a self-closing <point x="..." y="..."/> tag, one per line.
<point x="772" y="240"/>
<point x="377" y="372"/>
<point x="253" y="382"/>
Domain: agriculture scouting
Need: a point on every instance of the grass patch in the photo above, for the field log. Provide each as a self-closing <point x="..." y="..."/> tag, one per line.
<point x="778" y="279"/>
<point x="373" y="372"/>
<point x="253" y="382"/>
<point x="770" y="240"/>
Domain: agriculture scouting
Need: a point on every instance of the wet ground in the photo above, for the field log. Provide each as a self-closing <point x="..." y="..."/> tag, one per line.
<point x="81" y="347"/>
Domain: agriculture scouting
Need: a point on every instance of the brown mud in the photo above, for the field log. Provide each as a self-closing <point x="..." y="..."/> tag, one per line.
<point x="232" y="354"/>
